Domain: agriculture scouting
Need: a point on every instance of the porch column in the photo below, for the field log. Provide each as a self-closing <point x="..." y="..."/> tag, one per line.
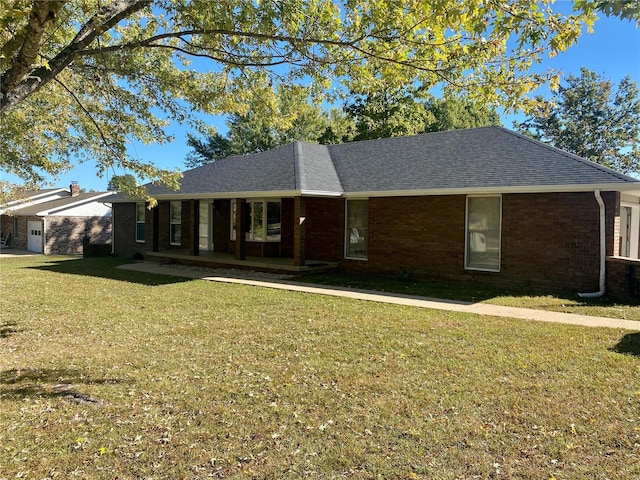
<point x="299" y="235"/>
<point x="155" y="228"/>
<point x="194" y="227"/>
<point x="241" y="228"/>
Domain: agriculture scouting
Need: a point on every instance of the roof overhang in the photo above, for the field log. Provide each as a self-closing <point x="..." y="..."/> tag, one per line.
<point x="51" y="211"/>
<point x="177" y="196"/>
<point x="40" y="197"/>
<point x="632" y="188"/>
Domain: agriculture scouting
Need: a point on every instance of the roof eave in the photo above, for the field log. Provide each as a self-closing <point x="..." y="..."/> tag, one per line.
<point x="617" y="187"/>
<point x="229" y="195"/>
<point x="84" y="201"/>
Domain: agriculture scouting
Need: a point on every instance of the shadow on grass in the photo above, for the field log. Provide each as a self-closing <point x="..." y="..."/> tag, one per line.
<point x="7" y="329"/>
<point x="105" y="267"/>
<point x="629" y="344"/>
<point x="21" y="383"/>
<point x="466" y="291"/>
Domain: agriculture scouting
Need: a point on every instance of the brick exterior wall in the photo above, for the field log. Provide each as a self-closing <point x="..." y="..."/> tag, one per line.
<point x="623" y="279"/>
<point x="548" y="240"/>
<point x="18" y="238"/>
<point x="286" y="227"/>
<point x="553" y="239"/>
<point x="124" y="233"/>
<point x="423" y="235"/>
<point x="222" y="226"/>
<point x="64" y="234"/>
<point x="324" y="229"/>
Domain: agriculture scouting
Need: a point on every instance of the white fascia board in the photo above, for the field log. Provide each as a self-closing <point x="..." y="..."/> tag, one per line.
<point x="14" y="205"/>
<point x="38" y="196"/>
<point x="317" y="193"/>
<point x="616" y="187"/>
<point x="68" y="206"/>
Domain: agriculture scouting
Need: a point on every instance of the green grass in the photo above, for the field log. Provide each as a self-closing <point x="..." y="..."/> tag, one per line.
<point x="470" y="292"/>
<point x="109" y="374"/>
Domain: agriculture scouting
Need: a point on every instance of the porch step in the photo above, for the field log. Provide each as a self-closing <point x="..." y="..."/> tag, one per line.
<point x="221" y="260"/>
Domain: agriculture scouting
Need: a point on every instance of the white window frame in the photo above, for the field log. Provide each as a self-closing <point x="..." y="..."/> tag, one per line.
<point x="249" y="202"/>
<point x="172" y="223"/>
<point x="347" y="233"/>
<point x="633" y="228"/>
<point x="143" y="222"/>
<point x="466" y="236"/>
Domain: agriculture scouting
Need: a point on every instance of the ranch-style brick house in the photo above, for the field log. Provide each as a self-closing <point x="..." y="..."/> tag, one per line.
<point x="484" y="204"/>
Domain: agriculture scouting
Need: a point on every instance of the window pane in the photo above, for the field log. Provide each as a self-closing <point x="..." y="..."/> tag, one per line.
<point x="140" y="222"/>
<point x="140" y="212"/>
<point x="256" y="224"/>
<point x="357" y="228"/>
<point x="273" y="221"/>
<point x="175" y="234"/>
<point x="176" y="211"/>
<point x="203" y="228"/>
<point x="140" y="232"/>
<point x="176" y="214"/>
<point x="483" y="233"/>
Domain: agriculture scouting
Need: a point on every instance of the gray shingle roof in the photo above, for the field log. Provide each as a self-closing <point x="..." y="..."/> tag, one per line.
<point x="474" y="159"/>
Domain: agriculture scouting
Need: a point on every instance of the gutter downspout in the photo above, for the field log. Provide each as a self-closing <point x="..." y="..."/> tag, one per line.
<point x="603" y="251"/>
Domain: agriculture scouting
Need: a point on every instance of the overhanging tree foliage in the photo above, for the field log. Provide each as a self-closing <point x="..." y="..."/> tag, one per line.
<point x="591" y="118"/>
<point x="81" y="79"/>
<point x="274" y="118"/>
<point x="287" y="115"/>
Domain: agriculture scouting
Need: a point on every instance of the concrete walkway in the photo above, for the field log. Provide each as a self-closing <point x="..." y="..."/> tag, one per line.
<point x="246" y="278"/>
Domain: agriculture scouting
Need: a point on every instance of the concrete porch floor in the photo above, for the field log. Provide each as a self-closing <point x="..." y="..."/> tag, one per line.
<point x="226" y="260"/>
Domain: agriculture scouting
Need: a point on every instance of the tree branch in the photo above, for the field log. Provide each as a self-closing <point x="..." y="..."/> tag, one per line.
<point x="42" y="14"/>
<point x="31" y="81"/>
<point x="87" y="113"/>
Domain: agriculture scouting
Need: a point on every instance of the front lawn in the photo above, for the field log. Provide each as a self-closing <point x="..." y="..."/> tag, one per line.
<point x="110" y="374"/>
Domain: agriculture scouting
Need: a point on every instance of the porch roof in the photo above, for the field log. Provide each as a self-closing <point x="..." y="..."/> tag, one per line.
<point x="487" y="159"/>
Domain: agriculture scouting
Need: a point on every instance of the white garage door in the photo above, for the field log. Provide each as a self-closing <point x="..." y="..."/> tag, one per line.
<point x="35" y="237"/>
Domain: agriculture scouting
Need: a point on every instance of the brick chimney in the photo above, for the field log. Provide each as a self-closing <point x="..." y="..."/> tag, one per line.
<point x="74" y="189"/>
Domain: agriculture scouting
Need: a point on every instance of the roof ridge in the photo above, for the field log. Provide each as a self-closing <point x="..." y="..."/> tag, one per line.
<point x="570" y="155"/>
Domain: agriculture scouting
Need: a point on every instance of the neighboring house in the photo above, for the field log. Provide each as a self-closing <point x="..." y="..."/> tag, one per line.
<point x="483" y="204"/>
<point x="56" y="220"/>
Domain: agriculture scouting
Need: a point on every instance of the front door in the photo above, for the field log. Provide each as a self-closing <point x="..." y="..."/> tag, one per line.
<point x="34" y="241"/>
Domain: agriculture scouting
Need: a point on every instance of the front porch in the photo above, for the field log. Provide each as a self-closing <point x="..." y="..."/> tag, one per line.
<point x="208" y="259"/>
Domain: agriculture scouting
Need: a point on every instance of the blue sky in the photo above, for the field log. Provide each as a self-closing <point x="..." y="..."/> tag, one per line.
<point x="613" y="50"/>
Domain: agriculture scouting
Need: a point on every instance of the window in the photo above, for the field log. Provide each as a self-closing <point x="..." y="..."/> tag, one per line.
<point x="176" y="223"/>
<point x="357" y="229"/>
<point x="140" y="222"/>
<point x="262" y="219"/>
<point x="255" y="223"/>
<point x="483" y="233"/>
<point x="203" y="226"/>
<point x="629" y="227"/>
<point x="273" y="221"/>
